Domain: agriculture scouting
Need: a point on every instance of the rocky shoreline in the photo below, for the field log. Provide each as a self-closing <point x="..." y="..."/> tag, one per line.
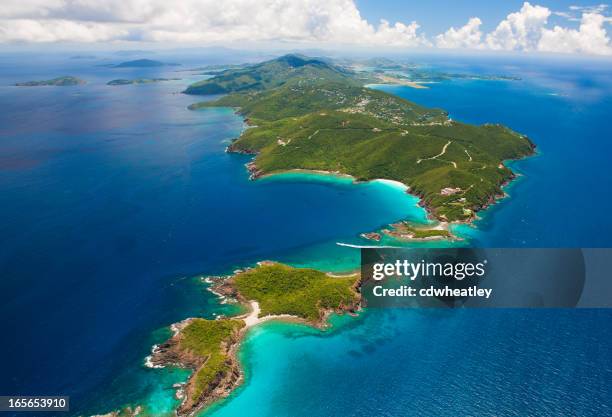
<point x="172" y="353"/>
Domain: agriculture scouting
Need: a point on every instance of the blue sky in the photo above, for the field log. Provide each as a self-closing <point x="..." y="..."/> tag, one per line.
<point x="437" y="16"/>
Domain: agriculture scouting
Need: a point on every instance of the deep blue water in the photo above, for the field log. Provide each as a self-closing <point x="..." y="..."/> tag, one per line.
<point x="113" y="198"/>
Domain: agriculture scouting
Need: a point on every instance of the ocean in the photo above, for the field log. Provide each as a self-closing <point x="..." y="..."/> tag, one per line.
<point x="116" y="200"/>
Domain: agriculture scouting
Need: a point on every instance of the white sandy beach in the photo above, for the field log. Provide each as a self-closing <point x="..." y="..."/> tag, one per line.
<point x="253" y="319"/>
<point x="393" y="183"/>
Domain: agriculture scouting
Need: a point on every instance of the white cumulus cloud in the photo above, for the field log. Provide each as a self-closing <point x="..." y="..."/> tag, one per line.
<point x="590" y="37"/>
<point x="468" y="36"/>
<point x="527" y="30"/>
<point x="520" y="30"/>
<point x="314" y="22"/>
<point x="199" y="21"/>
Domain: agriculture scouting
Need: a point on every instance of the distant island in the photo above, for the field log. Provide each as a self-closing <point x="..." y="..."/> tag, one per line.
<point x="122" y="81"/>
<point x="268" y="291"/>
<point x="59" y="81"/>
<point x="144" y="63"/>
<point x="413" y="72"/>
<point x="309" y="113"/>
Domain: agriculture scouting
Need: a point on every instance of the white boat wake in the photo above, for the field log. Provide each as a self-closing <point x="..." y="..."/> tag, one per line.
<point x="367" y="246"/>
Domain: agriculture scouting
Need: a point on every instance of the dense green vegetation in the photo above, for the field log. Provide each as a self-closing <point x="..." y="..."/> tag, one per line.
<point x="332" y="123"/>
<point x="59" y="81"/>
<point x="281" y="289"/>
<point x="208" y="339"/>
<point x="307" y="96"/>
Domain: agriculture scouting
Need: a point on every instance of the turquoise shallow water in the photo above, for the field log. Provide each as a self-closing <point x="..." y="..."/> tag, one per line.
<point x="413" y="363"/>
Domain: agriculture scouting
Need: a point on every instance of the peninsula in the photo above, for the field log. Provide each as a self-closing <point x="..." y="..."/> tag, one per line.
<point x="59" y="81"/>
<point x="269" y="290"/>
<point x="308" y="113"/>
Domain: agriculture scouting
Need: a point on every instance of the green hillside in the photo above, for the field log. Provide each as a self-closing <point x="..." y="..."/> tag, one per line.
<point x="340" y="126"/>
<point x="269" y="74"/>
<point x="302" y="96"/>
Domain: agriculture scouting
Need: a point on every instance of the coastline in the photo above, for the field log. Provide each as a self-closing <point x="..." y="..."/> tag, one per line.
<point x="389" y="80"/>
<point x="171" y="353"/>
<point x="336" y="174"/>
<point x="433" y="225"/>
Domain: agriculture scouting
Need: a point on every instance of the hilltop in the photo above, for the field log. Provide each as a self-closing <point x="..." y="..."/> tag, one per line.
<point x="270" y="74"/>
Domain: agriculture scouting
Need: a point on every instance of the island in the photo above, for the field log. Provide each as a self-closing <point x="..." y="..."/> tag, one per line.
<point x="122" y="81"/>
<point x="66" y="80"/>
<point x="269" y="291"/>
<point x="144" y="63"/>
<point x="311" y="114"/>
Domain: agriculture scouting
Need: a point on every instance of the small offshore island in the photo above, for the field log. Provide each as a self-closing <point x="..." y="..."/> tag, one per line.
<point x="310" y="114"/>
<point x="59" y="81"/>
<point x="270" y="291"/>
